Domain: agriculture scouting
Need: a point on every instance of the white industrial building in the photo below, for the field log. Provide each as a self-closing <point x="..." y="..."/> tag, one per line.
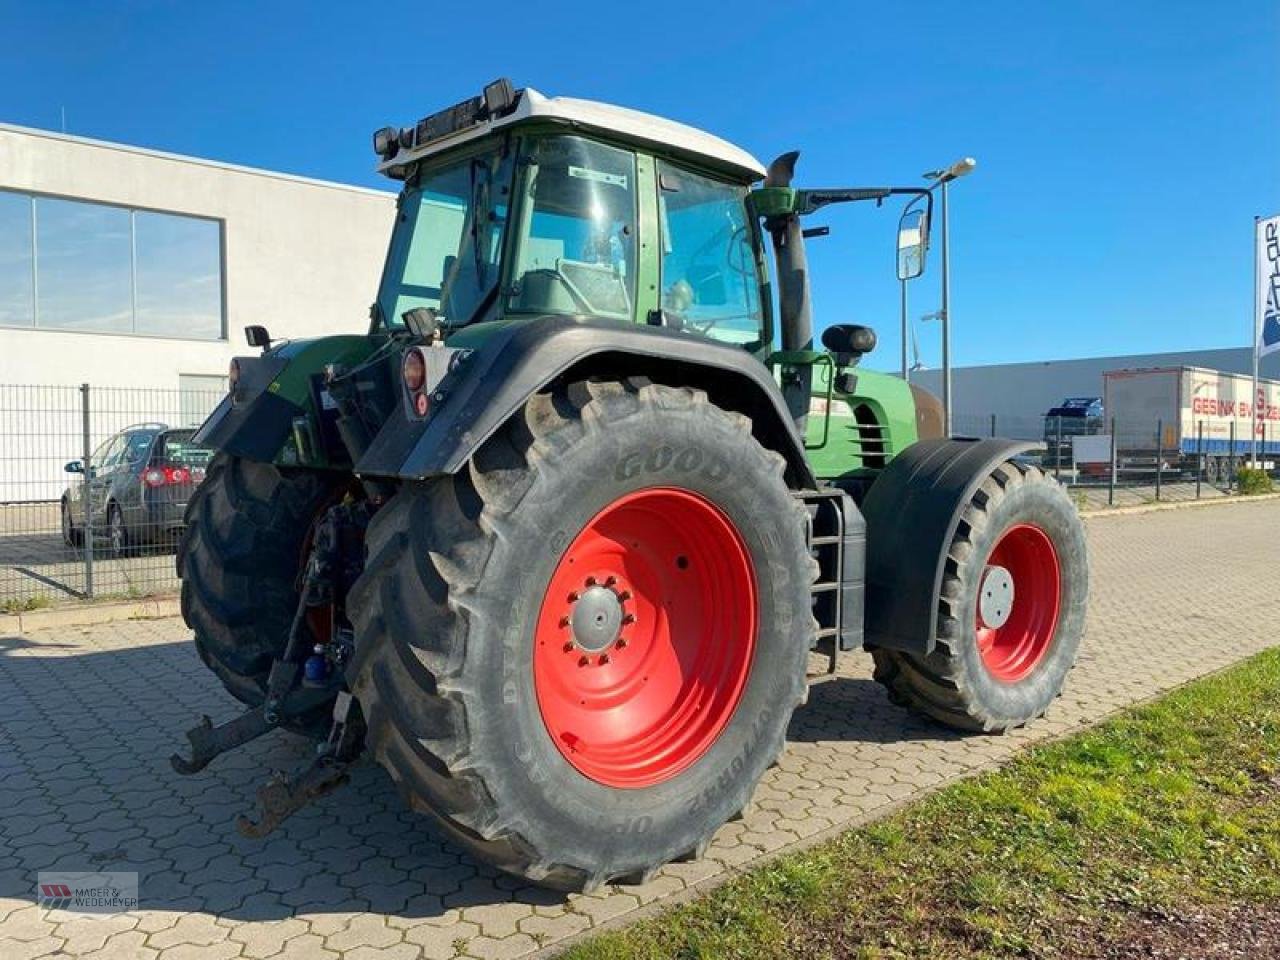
<point x="125" y="267"/>
<point x="1019" y="394"/>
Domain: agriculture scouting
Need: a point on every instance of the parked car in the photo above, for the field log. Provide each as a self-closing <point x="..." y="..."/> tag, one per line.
<point x="1074" y="417"/>
<point x="139" y="482"/>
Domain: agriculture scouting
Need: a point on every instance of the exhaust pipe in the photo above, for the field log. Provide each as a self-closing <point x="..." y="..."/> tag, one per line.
<point x="796" y="314"/>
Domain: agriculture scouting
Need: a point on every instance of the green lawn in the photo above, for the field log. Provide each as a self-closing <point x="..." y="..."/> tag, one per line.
<point x="1168" y="806"/>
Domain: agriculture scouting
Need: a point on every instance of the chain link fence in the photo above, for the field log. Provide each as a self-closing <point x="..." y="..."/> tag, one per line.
<point x="94" y="480"/>
<point x="93" y="484"/>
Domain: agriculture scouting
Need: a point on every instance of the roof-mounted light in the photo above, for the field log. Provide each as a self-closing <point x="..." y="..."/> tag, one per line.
<point x="498" y="100"/>
<point x="385" y="142"/>
<point x="499" y="97"/>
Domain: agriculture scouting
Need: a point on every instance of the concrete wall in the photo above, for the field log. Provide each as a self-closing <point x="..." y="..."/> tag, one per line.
<point x="302" y="257"/>
<point x="1020" y="393"/>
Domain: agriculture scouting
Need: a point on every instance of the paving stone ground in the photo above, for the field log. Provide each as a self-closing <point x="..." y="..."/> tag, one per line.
<point x="88" y="717"/>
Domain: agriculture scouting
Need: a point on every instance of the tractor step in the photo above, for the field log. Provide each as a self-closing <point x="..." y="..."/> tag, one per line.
<point x="837" y="540"/>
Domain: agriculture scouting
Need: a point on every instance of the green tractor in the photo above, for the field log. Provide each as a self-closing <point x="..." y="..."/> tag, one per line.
<point x="557" y="539"/>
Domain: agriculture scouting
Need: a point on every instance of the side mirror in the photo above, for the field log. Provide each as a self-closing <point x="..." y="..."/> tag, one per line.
<point x="257" y="336"/>
<point x="913" y="242"/>
<point x="75" y="466"/>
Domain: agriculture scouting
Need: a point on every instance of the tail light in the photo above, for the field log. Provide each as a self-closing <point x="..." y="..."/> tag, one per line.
<point x="165" y="476"/>
<point x="414" y="374"/>
<point x="415" y="371"/>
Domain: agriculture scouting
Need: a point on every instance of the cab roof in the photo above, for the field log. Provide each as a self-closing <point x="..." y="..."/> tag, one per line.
<point x="591" y="116"/>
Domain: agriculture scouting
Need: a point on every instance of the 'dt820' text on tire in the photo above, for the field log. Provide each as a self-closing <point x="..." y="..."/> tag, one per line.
<point x="581" y="653"/>
<point x="1011" y="611"/>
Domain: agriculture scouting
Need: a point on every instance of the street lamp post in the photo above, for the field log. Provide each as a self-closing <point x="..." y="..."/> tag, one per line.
<point x="944" y="177"/>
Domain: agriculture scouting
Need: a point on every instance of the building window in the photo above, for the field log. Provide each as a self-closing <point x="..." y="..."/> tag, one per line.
<point x="198" y="394"/>
<point x="17" y="264"/>
<point x="96" y="268"/>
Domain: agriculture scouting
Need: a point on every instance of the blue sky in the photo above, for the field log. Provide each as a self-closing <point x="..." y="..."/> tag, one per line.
<point x="1123" y="148"/>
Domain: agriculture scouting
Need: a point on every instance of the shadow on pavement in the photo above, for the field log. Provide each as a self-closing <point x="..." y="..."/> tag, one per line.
<point x="86" y="784"/>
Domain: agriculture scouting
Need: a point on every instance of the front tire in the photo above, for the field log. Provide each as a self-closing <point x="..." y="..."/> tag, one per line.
<point x="239" y="558"/>
<point x="118" y="538"/>
<point x="71" y="536"/>
<point x="521" y="628"/>
<point x="1011" y="614"/>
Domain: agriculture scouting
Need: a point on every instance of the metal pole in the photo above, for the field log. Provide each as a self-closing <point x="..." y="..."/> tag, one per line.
<point x="993" y="424"/>
<point x="1199" y="455"/>
<point x="1253" y="326"/>
<point x="1231" y="458"/>
<point x="1057" y="453"/>
<point x="906" y="333"/>
<point x="1159" y="455"/>
<point x="946" y="312"/>
<point x="86" y="452"/>
<point x="1111" y="483"/>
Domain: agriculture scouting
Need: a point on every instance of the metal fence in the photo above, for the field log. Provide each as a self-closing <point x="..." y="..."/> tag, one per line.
<point x="1109" y="462"/>
<point x="93" y="481"/>
<point x="90" y="508"/>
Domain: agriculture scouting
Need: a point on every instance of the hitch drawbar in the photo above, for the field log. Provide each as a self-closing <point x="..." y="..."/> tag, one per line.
<point x="305" y="678"/>
<point x="281" y="796"/>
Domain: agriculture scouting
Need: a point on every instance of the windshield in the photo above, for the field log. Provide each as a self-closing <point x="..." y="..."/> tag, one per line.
<point x="447" y="245"/>
<point x="177" y="447"/>
<point x="576" y="250"/>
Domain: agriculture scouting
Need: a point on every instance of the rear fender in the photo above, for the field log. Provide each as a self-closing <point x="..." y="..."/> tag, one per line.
<point x="493" y="382"/>
<point x="256" y="421"/>
<point x="912" y="511"/>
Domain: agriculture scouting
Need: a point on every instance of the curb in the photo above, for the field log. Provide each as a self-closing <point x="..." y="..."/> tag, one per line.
<point x="83" y="615"/>
<point x="1093" y="512"/>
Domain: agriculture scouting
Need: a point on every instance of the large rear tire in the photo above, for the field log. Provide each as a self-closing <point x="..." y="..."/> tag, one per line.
<point x="239" y="559"/>
<point x="1011" y="614"/>
<point x="580" y="654"/>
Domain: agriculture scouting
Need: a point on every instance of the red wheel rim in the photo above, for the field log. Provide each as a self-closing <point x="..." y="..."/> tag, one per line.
<point x="1023" y="629"/>
<point x="634" y="706"/>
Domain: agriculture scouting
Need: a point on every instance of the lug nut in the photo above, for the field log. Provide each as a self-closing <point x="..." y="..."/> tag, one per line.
<point x="583" y="661"/>
<point x="573" y="596"/>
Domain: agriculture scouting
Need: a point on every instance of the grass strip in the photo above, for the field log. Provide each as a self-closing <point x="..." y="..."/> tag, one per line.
<point x="1171" y="805"/>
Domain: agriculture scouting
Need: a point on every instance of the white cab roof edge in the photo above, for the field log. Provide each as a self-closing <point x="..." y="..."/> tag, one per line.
<point x="603" y="118"/>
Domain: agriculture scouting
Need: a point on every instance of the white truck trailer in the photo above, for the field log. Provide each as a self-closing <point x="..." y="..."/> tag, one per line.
<point x="1189" y="418"/>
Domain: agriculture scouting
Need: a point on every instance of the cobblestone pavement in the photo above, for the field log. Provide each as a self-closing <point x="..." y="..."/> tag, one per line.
<point x="89" y="716"/>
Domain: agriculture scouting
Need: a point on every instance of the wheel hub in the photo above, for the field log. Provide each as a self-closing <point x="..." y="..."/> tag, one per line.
<point x="596" y="619"/>
<point x="995" y="597"/>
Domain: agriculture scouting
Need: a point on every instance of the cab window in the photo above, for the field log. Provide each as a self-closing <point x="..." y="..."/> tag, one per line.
<point x="576" y="248"/>
<point x="710" y="276"/>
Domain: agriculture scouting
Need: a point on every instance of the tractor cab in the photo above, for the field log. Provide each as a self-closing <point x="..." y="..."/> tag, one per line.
<point x="516" y="205"/>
